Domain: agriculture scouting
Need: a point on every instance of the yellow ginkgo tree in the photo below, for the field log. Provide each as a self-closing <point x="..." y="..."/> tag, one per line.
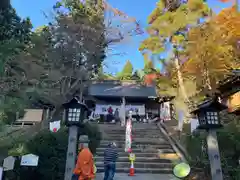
<point x="213" y="50"/>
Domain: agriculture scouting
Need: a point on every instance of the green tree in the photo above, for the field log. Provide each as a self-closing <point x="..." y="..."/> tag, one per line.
<point x="168" y="25"/>
<point x="212" y="49"/>
<point x="136" y="76"/>
<point x="148" y="65"/>
<point x="15" y="36"/>
<point x="127" y="71"/>
<point x="63" y="54"/>
<point x="101" y="75"/>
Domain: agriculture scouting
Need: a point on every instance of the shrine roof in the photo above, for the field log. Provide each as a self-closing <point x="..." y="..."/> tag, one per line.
<point x="112" y="88"/>
<point x="230" y="85"/>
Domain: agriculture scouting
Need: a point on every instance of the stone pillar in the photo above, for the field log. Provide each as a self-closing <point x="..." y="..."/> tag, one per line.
<point x="123" y="112"/>
<point x="47" y="114"/>
<point x="214" y="156"/>
<point x="71" y="152"/>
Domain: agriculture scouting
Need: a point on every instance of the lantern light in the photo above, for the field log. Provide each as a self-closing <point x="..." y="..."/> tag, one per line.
<point x="75" y="112"/>
<point x="208" y="114"/>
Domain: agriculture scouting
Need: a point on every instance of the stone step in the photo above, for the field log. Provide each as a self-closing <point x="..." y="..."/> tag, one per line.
<point x="135" y="125"/>
<point x="138" y="165"/>
<point x="116" y="131"/>
<point x="137" y="140"/>
<point x="133" y="130"/>
<point x="142" y="146"/>
<point x="117" y="128"/>
<point x="147" y="136"/>
<point x="140" y="170"/>
<point x="152" y="159"/>
<point x="133" y="135"/>
<point x="138" y="154"/>
<point x="139" y="150"/>
<point x="143" y="143"/>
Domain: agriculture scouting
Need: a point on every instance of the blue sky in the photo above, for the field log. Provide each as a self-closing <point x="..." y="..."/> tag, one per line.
<point x="140" y="9"/>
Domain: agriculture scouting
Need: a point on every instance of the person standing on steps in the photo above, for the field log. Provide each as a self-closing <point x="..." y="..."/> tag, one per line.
<point x="116" y="115"/>
<point x="110" y="157"/>
<point x="84" y="169"/>
<point x="110" y="114"/>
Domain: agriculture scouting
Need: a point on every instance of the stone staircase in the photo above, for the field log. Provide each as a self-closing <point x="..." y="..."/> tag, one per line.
<point x="148" y="141"/>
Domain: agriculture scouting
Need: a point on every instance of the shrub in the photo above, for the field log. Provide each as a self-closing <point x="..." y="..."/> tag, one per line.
<point x="51" y="149"/>
<point x="229" y="146"/>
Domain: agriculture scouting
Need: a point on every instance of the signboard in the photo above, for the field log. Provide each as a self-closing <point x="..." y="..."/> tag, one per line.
<point x="132" y="157"/>
<point x="8" y="163"/>
<point x="29" y="160"/>
<point x="234" y="102"/>
<point x="103" y="108"/>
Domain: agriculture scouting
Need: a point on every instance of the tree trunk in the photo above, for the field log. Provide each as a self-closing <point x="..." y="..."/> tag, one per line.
<point x="207" y="80"/>
<point x="180" y="80"/>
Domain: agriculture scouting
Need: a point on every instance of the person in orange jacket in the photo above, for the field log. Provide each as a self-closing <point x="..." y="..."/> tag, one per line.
<point x="85" y="164"/>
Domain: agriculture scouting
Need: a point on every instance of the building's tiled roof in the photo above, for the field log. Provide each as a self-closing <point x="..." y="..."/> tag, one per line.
<point x="120" y="89"/>
<point x="230" y="85"/>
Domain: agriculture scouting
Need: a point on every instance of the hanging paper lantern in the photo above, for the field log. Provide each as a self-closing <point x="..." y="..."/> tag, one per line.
<point x="54" y="126"/>
<point x="181" y="170"/>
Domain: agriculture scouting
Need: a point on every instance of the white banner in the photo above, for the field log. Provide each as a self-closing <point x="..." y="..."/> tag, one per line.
<point x="103" y="109"/>
<point x="165" y="113"/>
<point x="128" y="138"/>
<point x="136" y="108"/>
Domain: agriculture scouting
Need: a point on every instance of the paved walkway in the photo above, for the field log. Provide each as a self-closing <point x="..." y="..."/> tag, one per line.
<point x="121" y="176"/>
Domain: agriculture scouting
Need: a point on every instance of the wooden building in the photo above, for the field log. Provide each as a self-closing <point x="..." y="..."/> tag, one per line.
<point x="230" y="93"/>
<point x="31" y="117"/>
<point x="140" y="99"/>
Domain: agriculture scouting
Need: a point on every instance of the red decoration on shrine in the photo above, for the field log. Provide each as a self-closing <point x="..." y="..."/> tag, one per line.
<point x="150" y="78"/>
<point x="54" y="129"/>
